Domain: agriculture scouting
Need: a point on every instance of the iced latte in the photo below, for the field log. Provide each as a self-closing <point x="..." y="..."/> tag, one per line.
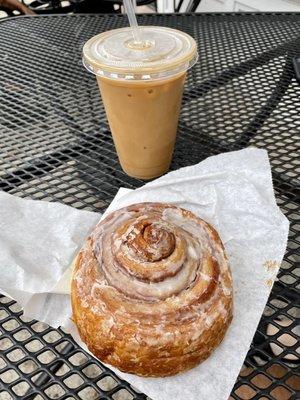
<point x="141" y="85"/>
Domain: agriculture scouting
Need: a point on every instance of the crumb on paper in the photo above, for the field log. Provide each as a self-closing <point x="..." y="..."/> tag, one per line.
<point x="269" y="283"/>
<point x="271" y="265"/>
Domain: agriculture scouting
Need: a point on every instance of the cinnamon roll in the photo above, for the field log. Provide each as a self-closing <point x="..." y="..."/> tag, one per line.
<point x="152" y="290"/>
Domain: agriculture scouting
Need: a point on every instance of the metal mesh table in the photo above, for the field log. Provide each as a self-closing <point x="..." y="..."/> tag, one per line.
<point x="55" y="145"/>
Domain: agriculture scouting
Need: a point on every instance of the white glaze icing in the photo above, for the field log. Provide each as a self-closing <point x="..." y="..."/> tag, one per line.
<point x="175" y="291"/>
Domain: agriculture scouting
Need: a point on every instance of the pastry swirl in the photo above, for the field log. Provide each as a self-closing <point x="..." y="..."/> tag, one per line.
<point x="152" y="290"/>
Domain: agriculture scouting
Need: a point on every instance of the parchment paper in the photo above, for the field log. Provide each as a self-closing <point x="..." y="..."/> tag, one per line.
<point x="232" y="191"/>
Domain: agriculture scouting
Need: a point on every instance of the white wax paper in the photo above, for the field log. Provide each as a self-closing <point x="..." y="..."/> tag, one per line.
<point x="37" y="241"/>
<point x="232" y="191"/>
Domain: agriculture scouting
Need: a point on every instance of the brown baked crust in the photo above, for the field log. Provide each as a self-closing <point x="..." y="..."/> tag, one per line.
<point x="152" y="290"/>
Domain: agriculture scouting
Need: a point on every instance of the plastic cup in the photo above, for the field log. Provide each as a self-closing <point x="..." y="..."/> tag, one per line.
<point x="141" y="85"/>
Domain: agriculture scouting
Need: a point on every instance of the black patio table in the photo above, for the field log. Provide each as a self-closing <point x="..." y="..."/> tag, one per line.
<point x="56" y="145"/>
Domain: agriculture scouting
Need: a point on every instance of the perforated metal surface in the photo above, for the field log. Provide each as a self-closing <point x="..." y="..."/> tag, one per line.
<point x="55" y="145"/>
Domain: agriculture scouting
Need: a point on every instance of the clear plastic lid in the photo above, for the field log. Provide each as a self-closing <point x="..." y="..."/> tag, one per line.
<point x="161" y="52"/>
